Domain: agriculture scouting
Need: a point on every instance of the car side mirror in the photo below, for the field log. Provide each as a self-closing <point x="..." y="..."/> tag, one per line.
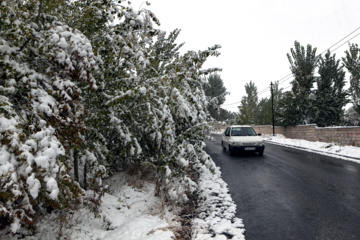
<point x="226" y="134"/>
<point x="259" y="134"/>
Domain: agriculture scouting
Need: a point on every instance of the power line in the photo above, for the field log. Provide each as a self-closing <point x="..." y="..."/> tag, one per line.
<point x="345" y="42"/>
<point x="289" y="76"/>
<point x="341" y="40"/>
<point x="263" y="91"/>
<point x="280" y="81"/>
<point x="231" y="104"/>
<point x="282" y="89"/>
<point x="231" y="108"/>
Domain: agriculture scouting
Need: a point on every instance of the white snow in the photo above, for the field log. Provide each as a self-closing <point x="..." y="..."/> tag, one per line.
<point x="131" y="211"/>
<point x="349" y="153"/>
<point x="15" y="225"/>
<point x="34" y="185"/>
<point x="52" y="187"/>
<point x="55" y="38"/>
<point x="63" y="44"/>
<point x="217" y="212"/>
<point x="7" y="124"/>
<point x="5" y="161"/>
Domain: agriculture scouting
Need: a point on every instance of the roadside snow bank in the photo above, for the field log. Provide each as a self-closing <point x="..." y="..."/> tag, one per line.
<point x="130" y="211"/>
<point x="217" y="210"/>
<point x="349" y="153"/>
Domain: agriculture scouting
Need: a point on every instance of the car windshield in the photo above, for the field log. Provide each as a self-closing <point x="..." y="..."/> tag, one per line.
<point x="243" y="131"/>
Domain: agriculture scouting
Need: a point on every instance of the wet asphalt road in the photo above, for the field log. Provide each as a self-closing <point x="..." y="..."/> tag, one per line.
<point x="292" y="194"/>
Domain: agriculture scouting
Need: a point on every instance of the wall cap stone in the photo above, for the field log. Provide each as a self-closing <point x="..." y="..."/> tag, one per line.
<point x="338" y="127"/>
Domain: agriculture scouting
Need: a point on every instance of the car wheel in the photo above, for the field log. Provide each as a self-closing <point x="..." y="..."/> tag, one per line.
<point x="222" y="144"/>
<point x="231" y="151"/>
<point x="261" y="153"/>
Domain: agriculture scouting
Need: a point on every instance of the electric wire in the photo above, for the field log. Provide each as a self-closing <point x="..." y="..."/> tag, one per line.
<point x="345" y="42"/>
<point x="289" y="76"/>
<point x="341" y="40"/>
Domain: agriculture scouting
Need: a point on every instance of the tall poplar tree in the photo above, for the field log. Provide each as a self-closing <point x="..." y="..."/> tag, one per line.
<point x="352" y="63"/>
<point x="264" y="116"/>
<point x="303" y="63"/>
<point x="330" y="93"/>
<point x="265" y="107"/>
<point x="248" y="107"/>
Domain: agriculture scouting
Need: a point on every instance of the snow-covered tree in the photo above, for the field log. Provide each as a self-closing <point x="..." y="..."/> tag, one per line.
<point x="42" y="62"/>
<point x="351" y="117"/>
<point x="303" y="63"/>
<point x="248" y="108"/>
<point x="352" y="64"/>
<point x="288" y="110"/>
<point x="182" y="116"/>
<point x="330" y="93"/>
<point x="88" y="85"/>
<point x="264" y="112"/>
<point x="216" y="92"/>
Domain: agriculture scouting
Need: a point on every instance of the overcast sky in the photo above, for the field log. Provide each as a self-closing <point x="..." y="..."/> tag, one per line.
<point x="256" y="35"/>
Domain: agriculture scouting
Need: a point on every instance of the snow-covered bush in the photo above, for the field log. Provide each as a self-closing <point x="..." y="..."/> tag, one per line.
<point x="150" y="103"/>
<point x="81" y="93"/>
<point x="41" y="63"/>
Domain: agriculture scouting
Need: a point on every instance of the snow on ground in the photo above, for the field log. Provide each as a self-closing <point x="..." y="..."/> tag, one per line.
<point x="130" y="211"/>
<point x="349" y="153"/>
<point x="216" y="218"/>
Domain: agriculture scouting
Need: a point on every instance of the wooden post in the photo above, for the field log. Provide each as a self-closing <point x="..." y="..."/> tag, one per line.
<point x="272" y="107"/>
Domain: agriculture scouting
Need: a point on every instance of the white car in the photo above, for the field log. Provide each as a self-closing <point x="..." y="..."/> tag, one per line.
<point x="242" y="138"/>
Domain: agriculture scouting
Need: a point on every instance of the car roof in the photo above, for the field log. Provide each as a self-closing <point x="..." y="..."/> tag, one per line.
<point x="240" y="126"/>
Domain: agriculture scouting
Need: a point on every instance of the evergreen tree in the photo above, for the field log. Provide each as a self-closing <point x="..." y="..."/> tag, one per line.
<point x="303" y="63"/>
<point x="215" y="88"/>
<point x="288" y="112"/>
<point x="278" y="95"/>
<point x="352" y="63"/>
<point x="264" y="112"/>
<point x="227" y="116"/>
<point x="351" y="118"/>
<point x="330" y="95"/>
<point x="248" y="107"/>
<point x="265" y="107"/>
<point x="216" y="91"/>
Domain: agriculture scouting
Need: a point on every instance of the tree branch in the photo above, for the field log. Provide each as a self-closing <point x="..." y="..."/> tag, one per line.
<point x="37" y="21"/>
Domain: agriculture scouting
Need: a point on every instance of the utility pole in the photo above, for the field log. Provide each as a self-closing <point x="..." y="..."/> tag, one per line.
<point x="272" y="107"/>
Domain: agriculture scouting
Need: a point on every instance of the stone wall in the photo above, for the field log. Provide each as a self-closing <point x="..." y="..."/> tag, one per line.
<point x="339" y="135"/>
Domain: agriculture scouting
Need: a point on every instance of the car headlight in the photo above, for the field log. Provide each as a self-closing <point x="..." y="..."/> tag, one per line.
<point x="259" y="143"/>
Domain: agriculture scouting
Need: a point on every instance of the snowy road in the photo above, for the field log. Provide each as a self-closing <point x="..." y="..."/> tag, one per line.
<point x="292" y="194"/>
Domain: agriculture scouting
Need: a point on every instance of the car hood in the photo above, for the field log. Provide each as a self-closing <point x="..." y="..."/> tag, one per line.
<point x="248" y="139"/>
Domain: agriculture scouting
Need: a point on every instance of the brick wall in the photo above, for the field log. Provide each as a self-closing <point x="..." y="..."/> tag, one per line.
<point x="340" y="135"/>
<point x="343" y="135"/>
